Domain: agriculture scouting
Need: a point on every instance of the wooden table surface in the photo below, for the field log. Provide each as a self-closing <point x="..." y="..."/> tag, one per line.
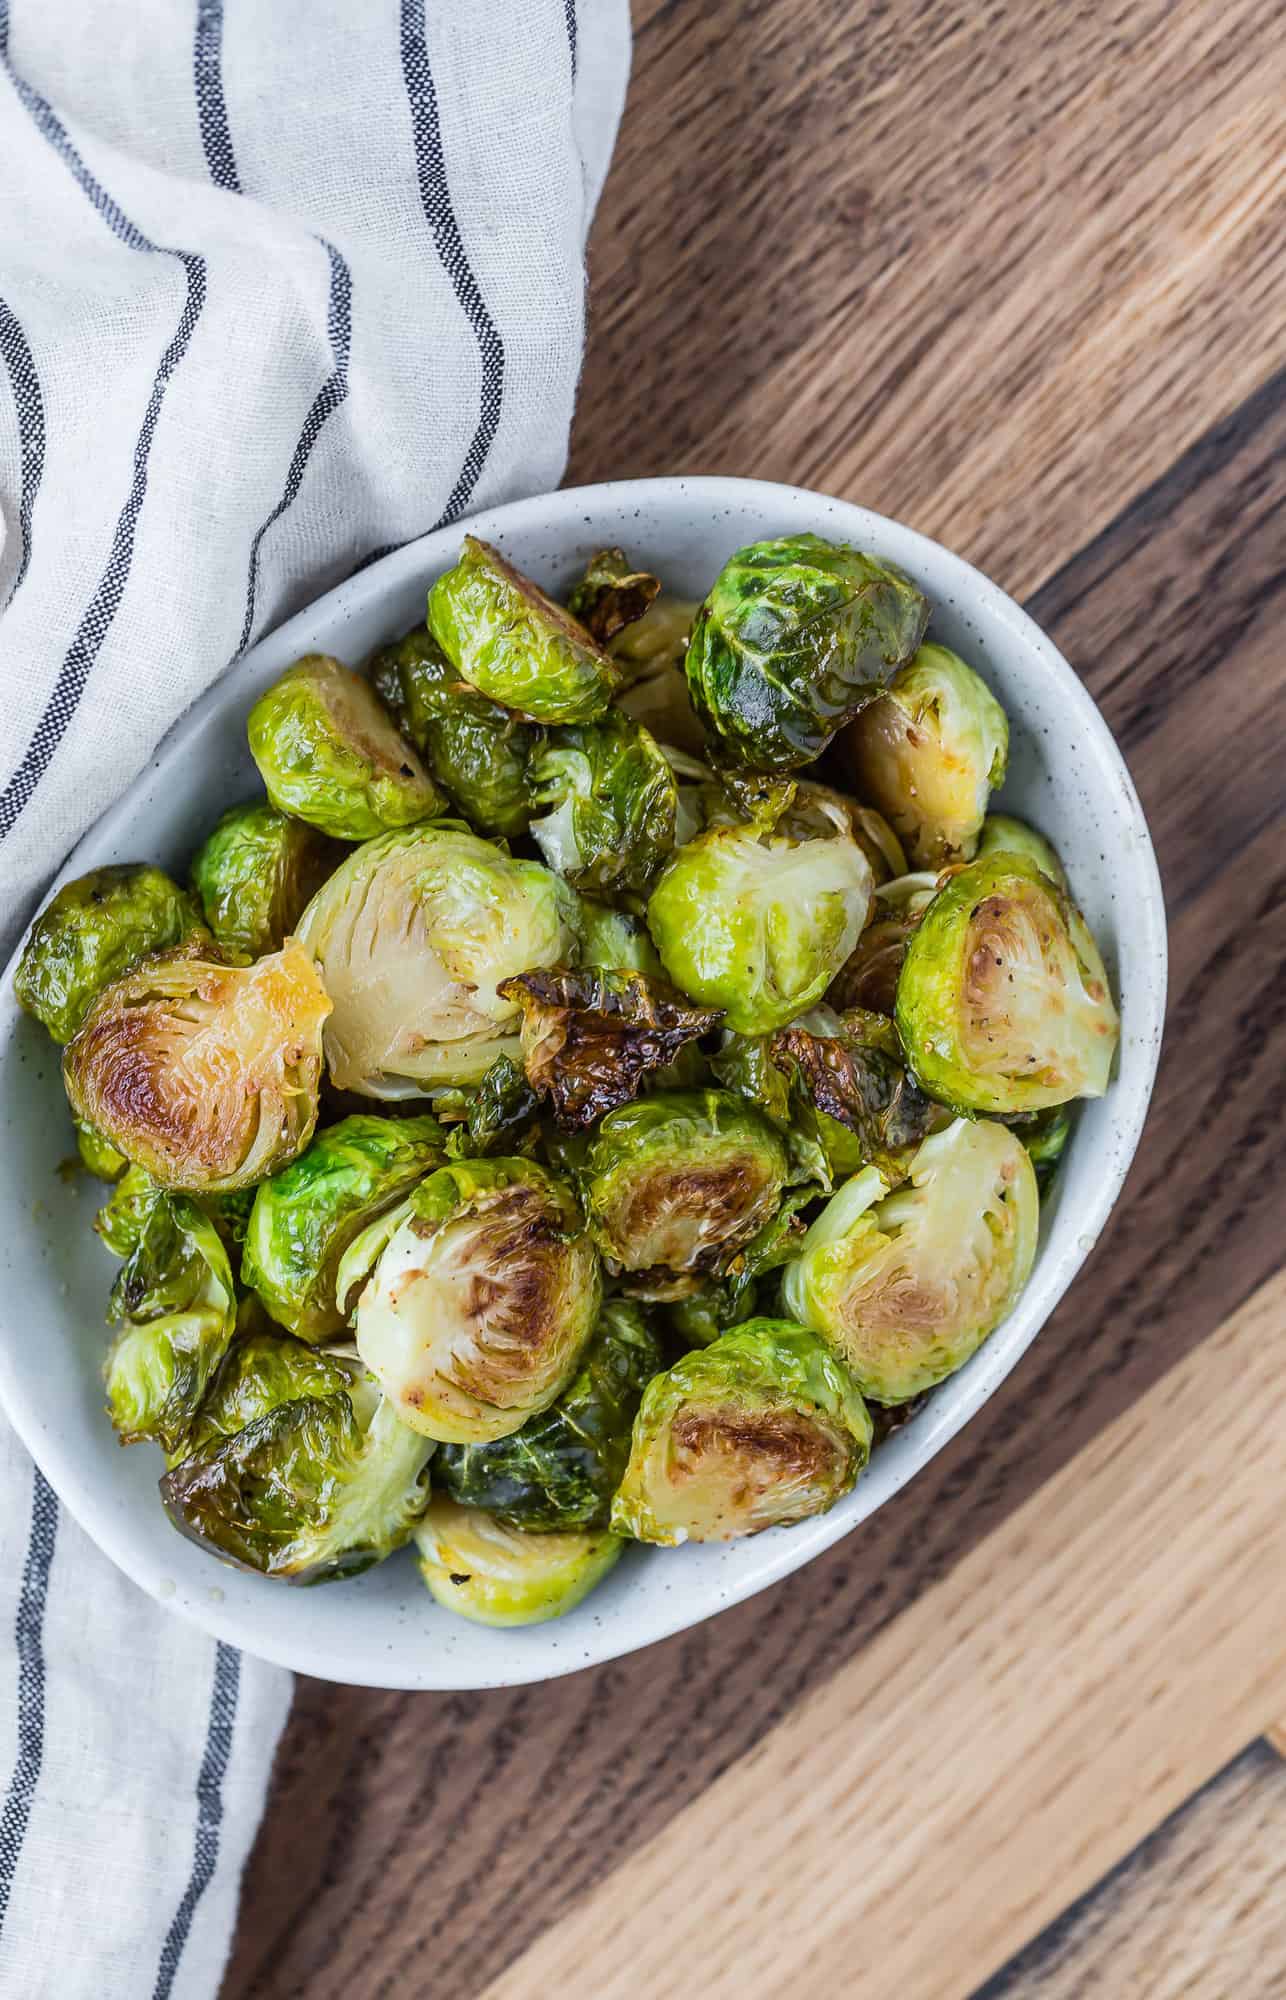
<point x="1015" y="274"/>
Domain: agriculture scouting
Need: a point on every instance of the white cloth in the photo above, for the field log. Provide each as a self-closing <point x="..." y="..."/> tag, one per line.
<point x="282" y="283"/>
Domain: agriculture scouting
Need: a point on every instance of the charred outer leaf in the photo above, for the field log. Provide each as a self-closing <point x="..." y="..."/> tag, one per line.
<point x="591" y="1035"/>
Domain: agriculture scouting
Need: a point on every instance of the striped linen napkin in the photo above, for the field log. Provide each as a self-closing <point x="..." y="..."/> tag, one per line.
<point x="283" y="283"/>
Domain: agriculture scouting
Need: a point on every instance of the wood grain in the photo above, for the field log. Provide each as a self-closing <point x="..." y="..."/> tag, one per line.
<point x="988" y="269"/>
<point x="1199" y="1908"/>
<point x="946" y="1794"/>
<point x="754" y="225"/>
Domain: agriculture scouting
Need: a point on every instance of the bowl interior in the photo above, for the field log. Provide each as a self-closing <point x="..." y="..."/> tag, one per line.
<point x="1065" y="774"/>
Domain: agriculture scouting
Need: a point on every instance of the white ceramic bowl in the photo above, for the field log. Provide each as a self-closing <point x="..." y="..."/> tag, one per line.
<point x="1065" y="773"/>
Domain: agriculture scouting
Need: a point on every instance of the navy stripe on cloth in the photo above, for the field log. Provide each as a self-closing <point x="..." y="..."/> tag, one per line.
<point x="571" y="33"/>
<point x="435" y="197"/>
<point x="212" y="111"/>
<point x="29" y="1636"/>
<point x="29" y="404"/>
<point x="209" y="1793"/>
<point x="103" y="605"/>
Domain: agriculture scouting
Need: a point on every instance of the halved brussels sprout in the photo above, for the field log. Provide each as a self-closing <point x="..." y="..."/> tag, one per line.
<point x="206" y="1074"/>
<point x="305" y="1217"/>
<point x="611" y="595"/>
<point x="176" y="1297"/>
<point x="614" y="801"/>
<point x="97" y="1156"/>
<point x="1002" y="834"/>
<point x="479" y="1294"/>
<point x="761" y="1428"/>
<point x="589" y="1037"/>
<point x="1002" y="1001"/>
<point x="869" y="976"/>
<point x="843" y="1066"/>
<point x="616" y="941"/>
<point x="254" y="875"/>
<point x="328" y="753"/>
<point x="677" y="1183"/>
<point x="930" y="752"/>
<point x="561" y="1469"/>
<point x="318" y="1486"/>
<point x="650" y="655"/>
<point x="806" y="811"/>
<point x="506" y="638"/>
<point x="475" y="749"/>
<point x="729" y="1300"/>
<point x="413" y="935"/>
<point x="93" y="931"/>
<point x="906" y="1286"/>
<point x="495" y="1575"/>
<point x="796" y="636"/>
<point x="759" y="924"/>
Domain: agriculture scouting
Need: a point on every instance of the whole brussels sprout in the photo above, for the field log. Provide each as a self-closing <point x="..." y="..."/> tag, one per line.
<point x="506" y="638"/>
<point x="254" y="875"/>
<point x="759" y="924"/>
<point x="611" y="595"/>
<point x="615" y="940"/>
<point x="261" y="1371"/>
<point x="479" y="1292"/>
<point x="906" y="1286"/>
<point x="305" y="1217"/>
<point x="761" y="1428"/>
<point x="496" y="1575"/>
<point x="206" y="1074"/>
<point x="413" y="935"/>
<point x="562" y="1468"/>
<point x="477" y="751"/>
<point x="96" y="1155"/>
<point x="614" y="801"/>
<point x="1002" y="834"/>
<point x="930" y="752"/>
<point x="1002" y="1001"/>
<point x="176" y="1297"/>
<point x="328" y="754"/>
<point x="589" y="1037"/>
<point x="868" y="977"/>
<point x="319" y="1485"/>
<point x="677" y="1183"/>
<point x="91" y="933"/>
<point x="796" y="636"/>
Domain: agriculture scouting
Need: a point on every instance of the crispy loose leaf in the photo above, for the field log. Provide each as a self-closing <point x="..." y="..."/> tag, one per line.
<point x="590" y="1036"/>
<point x="611" y="595"/>
<point x="851" y="1076"/>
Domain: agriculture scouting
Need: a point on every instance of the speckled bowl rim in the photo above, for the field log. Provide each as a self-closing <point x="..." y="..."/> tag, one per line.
<point x="482" y="1658"/>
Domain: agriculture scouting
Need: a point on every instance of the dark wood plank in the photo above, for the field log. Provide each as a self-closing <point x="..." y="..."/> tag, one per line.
<point x="1198" y="1908"/>
<point x="418" y="1836"/>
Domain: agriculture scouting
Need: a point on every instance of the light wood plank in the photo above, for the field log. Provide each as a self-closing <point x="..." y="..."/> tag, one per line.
<point x="997" y="1748"/>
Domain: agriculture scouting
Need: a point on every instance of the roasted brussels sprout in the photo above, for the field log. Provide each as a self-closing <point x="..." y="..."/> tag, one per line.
<point x="759" y="924"/>
<point x="1002" y="1001"/>
<point x="320" y="1485"/>
<point x="907" y="1285"/>
<point x="1003" y="835"/>
<point x="176" y="1297"/>
<point x="477" y="751"/>
<point x="121" y="1220"/>
<point x="495" y="1575"/>
<point x="499" y="1113"/>
<point x="479" y="1292"/>
<point x="506" y="638"/>
<point x="1045" y="1135"/>
<point x="611" y="595"/>
<point x="616" y="941"/>
<point x="328" y="754"/>
<point x="796" y="636"/>
<point x="254" y="875"/>
<point x="589" y="1037"/>
<point x="868" y="978"/>
<point x="929" y="753"/>
<point x="614" y="801"/>
<point x="262" y="1370"/>
<point x="206" y="1074"/>
<point x="97" y="1156"/>
<point x="93" y="931"/>
<point x="562" y="1468"/>
<point x="677" y="1183"/>
<point x="729" y="1300"/>
<point x="305" y="1217"/>
<point x="763" y="1427"/>
<point x="412" y="936"/>
<point x="650" y="655"/>
<point x="843" y="1066"/>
